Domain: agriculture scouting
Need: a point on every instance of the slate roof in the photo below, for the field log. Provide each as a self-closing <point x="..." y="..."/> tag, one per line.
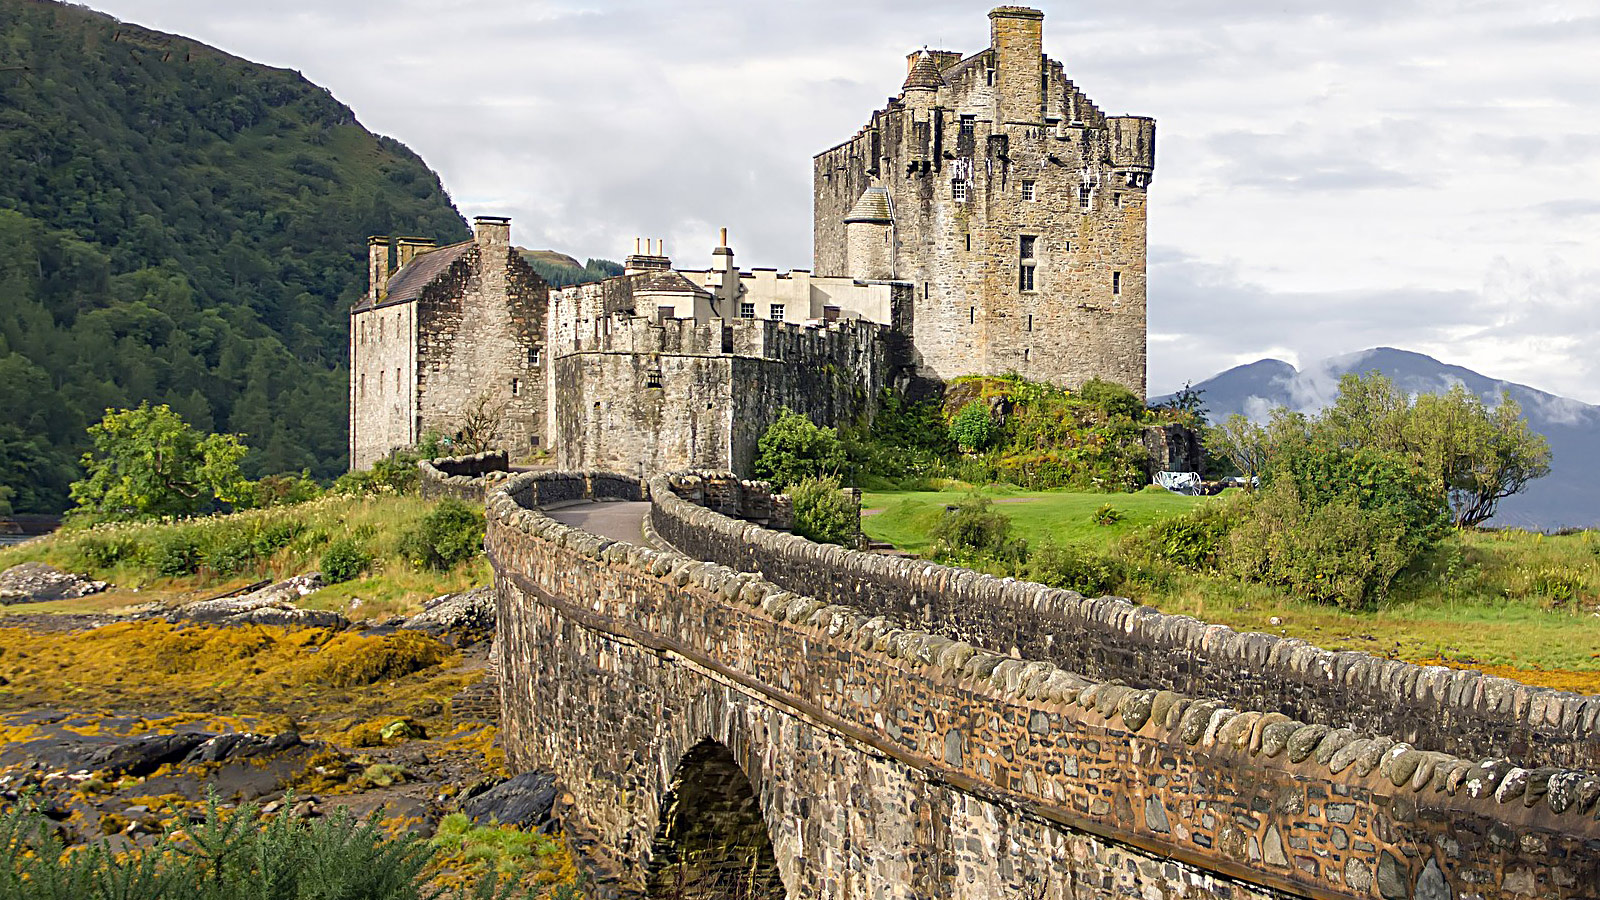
<point x="666" y="281"/>
<point x="408" y="281"/>
<point x="924" y="74"/>
<point x="873" y="206"/>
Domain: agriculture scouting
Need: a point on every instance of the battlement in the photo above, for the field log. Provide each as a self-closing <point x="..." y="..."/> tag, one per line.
<point x="624" y="332"/>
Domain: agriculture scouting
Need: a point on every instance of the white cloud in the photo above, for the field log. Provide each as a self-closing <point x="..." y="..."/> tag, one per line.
<point x="1330" y="177"/>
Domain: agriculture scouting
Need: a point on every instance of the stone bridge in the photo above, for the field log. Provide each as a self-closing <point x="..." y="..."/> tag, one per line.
<point x="767" y="717"/>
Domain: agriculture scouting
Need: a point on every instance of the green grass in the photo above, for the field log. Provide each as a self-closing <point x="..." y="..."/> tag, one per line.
<point x="124" y="554"/>
<point x="1037" y="516"/>
<point x="1511" y="602"/>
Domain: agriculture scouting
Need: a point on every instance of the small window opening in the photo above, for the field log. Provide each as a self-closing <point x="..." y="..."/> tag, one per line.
<point x="1030" y="321"/>
<point x="652" y="379"/>
<point x="747" y="310"/>
<point x="925" y="290"/>
<point x="1116" y="200"/>
<point x="663" y="313"/>
<point x="969" y="242"/>
<point x="958" y="190"/>
<point x="533" y="356"/>
<point x="1028" y="194"/>
<point x="1116" y="282"/>
<point x="363" y="384"/>
<point x="1027" y="353"/>
<point x="1027" y="245"/>
<point x="972" y="315"/>
<point x="516" y="387"/>
<point x="1025" y="276"/>
<point x="1085" y="195"/>
<point x="989" y="76"/>
<point x="969" y="124"/>
<point x="775" y="312"/>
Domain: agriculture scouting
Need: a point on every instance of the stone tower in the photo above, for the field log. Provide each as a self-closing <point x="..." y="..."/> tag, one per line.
<point x="1014" y="206"/>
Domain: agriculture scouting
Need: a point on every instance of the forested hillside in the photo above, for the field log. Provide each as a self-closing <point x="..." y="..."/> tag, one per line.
<point x="182" y="226"/>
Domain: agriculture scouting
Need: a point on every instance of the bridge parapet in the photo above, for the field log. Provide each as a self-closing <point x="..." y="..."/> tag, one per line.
<point x="891" y="761"/>
<point x="1459" y="711"/>
<point x="462" y="477"/>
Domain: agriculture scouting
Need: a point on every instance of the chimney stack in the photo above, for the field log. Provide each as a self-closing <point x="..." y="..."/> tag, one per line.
<point x="409" y="248"/>
<point x="653" y="258"/>
<point x="377" y="267"/>
<point x="726" y="287"/>
<point x="492" y="231"/>
<point x="1016" y="35"/>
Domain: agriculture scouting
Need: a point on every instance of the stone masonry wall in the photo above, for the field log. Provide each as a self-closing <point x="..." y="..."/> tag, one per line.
<point x="462" y="477"/>
<point x="897" y="763"/>
<point x="1457" y="711"/>
<point x="382" y="381"/>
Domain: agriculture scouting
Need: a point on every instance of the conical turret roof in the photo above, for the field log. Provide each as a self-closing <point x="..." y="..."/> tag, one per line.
<point x="873" y="207"/>
<point x="924" y="75"/>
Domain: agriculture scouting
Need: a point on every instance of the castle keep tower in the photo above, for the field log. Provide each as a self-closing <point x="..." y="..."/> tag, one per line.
<point x="1010" y="201"/>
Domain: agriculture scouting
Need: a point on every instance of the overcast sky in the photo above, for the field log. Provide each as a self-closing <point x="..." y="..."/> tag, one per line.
<point x="1330" y="176"/>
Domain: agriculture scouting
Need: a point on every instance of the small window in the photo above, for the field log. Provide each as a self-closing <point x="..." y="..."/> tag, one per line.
<point x="652" y="379"/>
<point x="363" y="384"/>
<point x="958" y="190"/>
<point x="969" y="125"/>
<point x="989" y="76"/>
<point x="747" y="310"/>
<point x="516" y="387"/>
<point x="925" y="290"/>
<point x="533" y="356"/>
<point x="1025" y="276"/>
<point x="1116" y="282"/>
<point x="1028" y="195"/>
<point x="972" y="315"/>
<point x="775" y="312"/>
<point x="1116" y="200"/>
<point x="969" y="242"/>
<point x="1026" y="244"/>
<point x="1085" y="196"/>
<point x="1027" y="353"/>
<point x="1030" y="321"/>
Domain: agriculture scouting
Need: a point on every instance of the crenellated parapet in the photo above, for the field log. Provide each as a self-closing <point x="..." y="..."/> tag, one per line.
<point x="889" y="759"/>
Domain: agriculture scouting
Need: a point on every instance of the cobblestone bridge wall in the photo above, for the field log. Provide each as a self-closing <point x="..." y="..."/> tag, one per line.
<point x="1463" y="712"/>
<point x="890" y="762"/>
<point x="462" y="477"/>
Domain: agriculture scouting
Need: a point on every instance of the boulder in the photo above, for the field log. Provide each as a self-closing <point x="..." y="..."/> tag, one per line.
<point x="466" y="617"/>
<point x="34" y="582"/>
<point x="526" y="800"/>
<point x="271" y="605"/>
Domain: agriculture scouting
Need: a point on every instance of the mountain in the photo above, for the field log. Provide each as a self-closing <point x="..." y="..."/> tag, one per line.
<point x="1568" y="496"/>
<point x="181" y="226"/>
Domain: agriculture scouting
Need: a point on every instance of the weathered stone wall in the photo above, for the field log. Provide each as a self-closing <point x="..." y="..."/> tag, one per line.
<point x="382" y="381"/>
<point x="462" y="477"/>
<point x="895" y="763"/>
<point x="1172" y="448"/>
<point x="481" y="330"/>
<point x="1433" y="707"/>
<point x="1085" y="315"/>
<point x="642" y="396"/>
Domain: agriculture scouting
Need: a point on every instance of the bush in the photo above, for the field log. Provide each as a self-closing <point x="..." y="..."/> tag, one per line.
<point x="973" y="428"/>
<point x="278" y="490"/>
<point x="973" y="532"/>
<point x="1112" y="399"/>
<point x="1193" y="540"/>
<point x="446" y="537"/>
<point x="1074" y="567"/>
<point x="174" y="552"/>
<point x="794" y="448"/>
<point x="345" y="558"/>
<point x="823" y="513"/>
<point x="396" y="473"/>
<point x="1106" y="514"/>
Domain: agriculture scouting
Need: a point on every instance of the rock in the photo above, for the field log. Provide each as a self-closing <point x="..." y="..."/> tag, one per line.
<point x="271" y="605"/>
<point x="468" y="617"/>
<point x="242" y="745"/>
<point x="34" y="582"/>
<point x="526" y="800"/>
<point x="144" y="755"/>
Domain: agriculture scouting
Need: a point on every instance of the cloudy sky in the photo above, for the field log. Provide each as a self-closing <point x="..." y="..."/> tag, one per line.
<point x="1330" y="176"/>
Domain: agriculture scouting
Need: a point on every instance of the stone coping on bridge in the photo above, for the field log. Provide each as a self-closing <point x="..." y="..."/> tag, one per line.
<point x="1306" y="807"/>
<point x="462" y="477"/>
<point x="1460" y="711"/>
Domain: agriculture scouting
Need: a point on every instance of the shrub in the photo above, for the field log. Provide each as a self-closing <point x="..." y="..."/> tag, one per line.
<point x="1106" y="514"/>
<point x="278" y="490"/>
<point x="1192" y="540"/>
<point x="174" y="552"/>
<point x="345" y="558"/>
<point x="823" y="513"/>
<point x="451" y="534"/>
<point x="105" y="549"/>
<point x="396" y="473"/>
<point x="973" y="428"/>
<point x="974" y="532"/>
<point x="794" y="448"/>
<point x="1112" y="399"/>
<point x="1074" y="567"/>
<point x="230" y="552"/>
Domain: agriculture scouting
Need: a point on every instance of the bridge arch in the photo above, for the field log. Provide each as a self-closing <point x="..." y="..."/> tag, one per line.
<point x="712" y="842"/>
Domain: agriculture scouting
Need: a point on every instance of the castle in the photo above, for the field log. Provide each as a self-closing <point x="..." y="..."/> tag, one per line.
<point x="989" y="219"/>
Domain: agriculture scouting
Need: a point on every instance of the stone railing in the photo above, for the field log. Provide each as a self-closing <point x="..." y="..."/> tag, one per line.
<point x="1457" y="711"/>
<point x="462" y="477"/>
<point x="1302" y="807"/>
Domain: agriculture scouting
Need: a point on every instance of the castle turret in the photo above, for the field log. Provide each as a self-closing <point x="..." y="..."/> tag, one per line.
<point x="1133" y="149"/>
<point x="869" y="236"/>
<point x="1016" y="35"/>
<point x="377" y="267"/>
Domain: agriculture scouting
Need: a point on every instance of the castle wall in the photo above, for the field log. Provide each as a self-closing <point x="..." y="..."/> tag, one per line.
<point x="1085" y="314"/>
<point x="482" y="327"/>
<point x="382" y="381"/>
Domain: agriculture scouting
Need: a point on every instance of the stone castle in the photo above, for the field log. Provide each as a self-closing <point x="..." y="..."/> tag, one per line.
<point x="989" y="219"/>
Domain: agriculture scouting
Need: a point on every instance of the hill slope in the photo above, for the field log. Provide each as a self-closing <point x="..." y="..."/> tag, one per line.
<point x="181" y="226"/>
<point x="1569" y="496"/>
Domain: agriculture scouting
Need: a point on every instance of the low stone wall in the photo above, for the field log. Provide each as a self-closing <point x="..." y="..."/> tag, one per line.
<point x="892" y="762"/>
<point x="730" y="495"/>
<point x="1463" y="712"/>
<point x="462" y="477"/>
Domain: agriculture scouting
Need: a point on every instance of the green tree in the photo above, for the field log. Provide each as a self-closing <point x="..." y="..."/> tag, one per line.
<point x="147" y="462"/>
<point x="794" y="448"/>
<point x="823" y="513"/>
<point x="972" y="428"/>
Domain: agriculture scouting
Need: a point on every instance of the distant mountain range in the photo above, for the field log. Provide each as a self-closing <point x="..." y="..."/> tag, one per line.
<point x="1568" y="496"/>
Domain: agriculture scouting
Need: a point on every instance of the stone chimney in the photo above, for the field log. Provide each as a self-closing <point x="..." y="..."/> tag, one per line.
<point x="408" y="248"/>
<point x="650" y="257"/>
<point x="491" y="231"/>
<point x="727" y="286"/>
<point x="1016" y="35"/>
<point x="377" y="267"/>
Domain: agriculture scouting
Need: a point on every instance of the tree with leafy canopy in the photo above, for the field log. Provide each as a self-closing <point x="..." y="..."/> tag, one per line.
<point x="794" y="448"/>
<point x="148" y="463"/>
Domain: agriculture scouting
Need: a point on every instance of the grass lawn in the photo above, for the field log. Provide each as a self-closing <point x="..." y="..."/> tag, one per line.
<point x="1482" y="601"/>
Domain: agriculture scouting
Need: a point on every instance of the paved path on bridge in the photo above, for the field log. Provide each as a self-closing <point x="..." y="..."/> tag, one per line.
<point x="617" y="520"/>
